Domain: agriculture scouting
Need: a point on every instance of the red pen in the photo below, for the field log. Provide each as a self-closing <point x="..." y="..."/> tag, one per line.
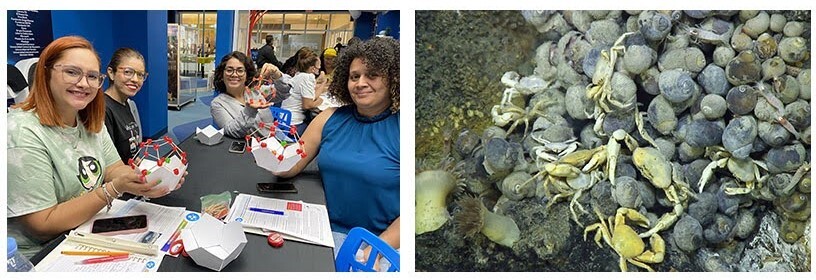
<point x="105" y="259"/>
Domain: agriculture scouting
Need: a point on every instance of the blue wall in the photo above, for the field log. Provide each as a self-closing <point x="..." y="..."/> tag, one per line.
<point x="223" y="34"/>
<point x="144" y="31"/>
<point x="364" y="25"/>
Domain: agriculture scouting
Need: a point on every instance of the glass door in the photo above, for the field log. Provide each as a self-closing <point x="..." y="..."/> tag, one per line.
<point x="196" y="39"/>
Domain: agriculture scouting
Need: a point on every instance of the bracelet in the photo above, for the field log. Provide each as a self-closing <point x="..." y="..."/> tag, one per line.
<point x="100" y="196"/>
<point x="108" y="198"/>
<point x="118" y="194"/>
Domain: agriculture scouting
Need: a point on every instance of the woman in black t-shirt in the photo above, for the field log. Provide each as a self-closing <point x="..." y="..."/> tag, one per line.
<point x="126" y="72"/>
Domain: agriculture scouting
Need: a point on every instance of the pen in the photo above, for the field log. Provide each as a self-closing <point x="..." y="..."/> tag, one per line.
<point x="266" y="211"/>
<point x="83" y="253"/>
<point x="105" y="259"/>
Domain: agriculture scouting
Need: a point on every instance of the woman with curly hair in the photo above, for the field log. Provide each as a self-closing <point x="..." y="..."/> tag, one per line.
<point x="229" y="109"/>
<point x="357" y="145"/>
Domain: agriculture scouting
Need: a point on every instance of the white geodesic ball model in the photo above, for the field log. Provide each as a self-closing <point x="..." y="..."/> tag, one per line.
<point x="153" y="166"/>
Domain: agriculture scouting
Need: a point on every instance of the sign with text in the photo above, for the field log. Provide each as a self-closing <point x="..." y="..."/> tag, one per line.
<point x="29" y="32"/>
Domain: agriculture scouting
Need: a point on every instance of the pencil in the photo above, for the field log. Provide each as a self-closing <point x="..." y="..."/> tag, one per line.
<point x="83" y="253"/>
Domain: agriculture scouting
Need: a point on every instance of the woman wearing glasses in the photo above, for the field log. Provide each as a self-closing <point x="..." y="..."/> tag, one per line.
<point x="126" y="72"/>
<point x="230" y="109"/>
<point x="62" y="165"/>
<point x="357" y="145"/>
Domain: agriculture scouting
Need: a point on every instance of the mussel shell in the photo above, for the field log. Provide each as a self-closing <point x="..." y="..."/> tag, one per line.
<point x="677" y="86"/>
<point x="743" y="69"/>
<point x="738" y="137"/>
<point x="741" y="100"/>
<point x="713" y="80"/>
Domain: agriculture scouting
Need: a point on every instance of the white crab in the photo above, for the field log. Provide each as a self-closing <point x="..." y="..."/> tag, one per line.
<point x="744" y="170"/>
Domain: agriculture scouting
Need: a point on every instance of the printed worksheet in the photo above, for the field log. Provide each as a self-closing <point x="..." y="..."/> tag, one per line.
<point x="303" y="221"/>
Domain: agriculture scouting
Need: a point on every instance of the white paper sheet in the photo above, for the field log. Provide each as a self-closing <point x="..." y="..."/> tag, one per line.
<point x="57" y="262"/>
<point x="304" y="221"/>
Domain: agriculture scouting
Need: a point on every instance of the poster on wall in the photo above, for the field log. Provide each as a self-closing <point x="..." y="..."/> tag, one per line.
<point x="29" y="32"/>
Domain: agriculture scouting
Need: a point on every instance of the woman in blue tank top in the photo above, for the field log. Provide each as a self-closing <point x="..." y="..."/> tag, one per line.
<point x="357" y="145"/>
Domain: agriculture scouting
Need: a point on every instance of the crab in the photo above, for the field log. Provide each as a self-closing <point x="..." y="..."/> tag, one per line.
<point x="573" y="188"/>
<point x="746" y="171"/>
<point x="592" y="159"/>
<point x="666" y="176"/>
<point x="625" y="241"/>
<point x="780" y="109"/>
<point x="600" y="90"/>
<point x="552" y="151"/>
<point x="701" y="35"/>
<point x="507" y="112"/>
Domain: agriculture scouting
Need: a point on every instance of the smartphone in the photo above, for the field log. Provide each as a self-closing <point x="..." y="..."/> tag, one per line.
<point x="277" y="187"/>
<point x="120" y="225"/>
<point x="237" y="147"/>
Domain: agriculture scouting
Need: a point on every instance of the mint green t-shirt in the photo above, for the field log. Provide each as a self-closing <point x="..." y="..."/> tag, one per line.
<point x="48" y="166"/>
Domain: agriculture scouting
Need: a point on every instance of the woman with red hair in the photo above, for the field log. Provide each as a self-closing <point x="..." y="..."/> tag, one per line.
<point x="62" y="165"/>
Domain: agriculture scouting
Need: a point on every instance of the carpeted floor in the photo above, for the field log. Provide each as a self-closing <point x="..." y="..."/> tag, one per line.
<point x="182" y="123"/>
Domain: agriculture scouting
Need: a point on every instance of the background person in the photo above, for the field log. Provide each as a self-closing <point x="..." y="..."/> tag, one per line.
<point x="357" y="145"/>
<point x="303" y="94"/>
<point x="266" y="54"/>
<point x="62" y="166"/>
<point x="229" y="109"/>
<point x="126" y="72"/>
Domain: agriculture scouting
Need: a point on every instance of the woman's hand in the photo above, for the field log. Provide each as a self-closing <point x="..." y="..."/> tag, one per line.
<point x="132" y="183"/>
<point x="269" y="70"/>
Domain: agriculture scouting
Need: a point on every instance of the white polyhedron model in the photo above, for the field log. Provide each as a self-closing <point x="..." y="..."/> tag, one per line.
<point x="276" y="152"/>
<point x="213" y="244"/>
<point x="209" y="135"/>
<point x="169" y="169"/>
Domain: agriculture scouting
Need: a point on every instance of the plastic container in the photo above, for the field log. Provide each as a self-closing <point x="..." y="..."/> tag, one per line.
<point x="16" y="261"/>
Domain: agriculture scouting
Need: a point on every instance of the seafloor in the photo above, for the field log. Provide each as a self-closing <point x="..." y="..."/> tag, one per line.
<point x="460" y="59"/>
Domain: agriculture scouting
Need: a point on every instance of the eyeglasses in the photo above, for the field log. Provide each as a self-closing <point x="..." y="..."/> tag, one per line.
<point x="129" y="72"/>
<point x="73" y="75"/>
<point x="238" y="71"/>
